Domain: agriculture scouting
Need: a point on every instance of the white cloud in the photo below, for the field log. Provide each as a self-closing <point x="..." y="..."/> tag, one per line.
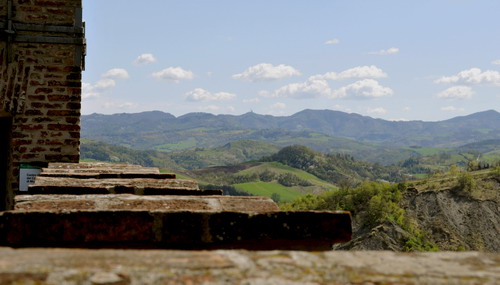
<point x="317" y="85"/>
<point x="473" y="76"/>
<point x="332" y="42"/>
<point x="251" y="100"/>
<point x="94" y="91"/>
<point x="452" y="109"/>
<point x="309" y="89"/>
<point x="366" y="88"/>
<point x="118" y="105"/>
<point x="175" y="74"/>
<point x="265" y="93"/>
<point x="342" y="108"/>
<point x="267" y="72"/>
<point x="105" y="84"/>
<point x="496" y="62"/>
<point x="200" y="94"/>
<point x="116" y="73"/>
<point x="456" y="92"/>
<point x="378" y="111"/>
<point x="356" y="72"/>
<point x="279" y="105"/>
<point x="88" y="91"/>
<point x="144" y="58"/>
<point x="385" y="51"/>
<point x="215" y="108"/>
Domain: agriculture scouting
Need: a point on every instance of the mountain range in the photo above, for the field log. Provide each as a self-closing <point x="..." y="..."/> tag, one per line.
<point x="322" y="130"/>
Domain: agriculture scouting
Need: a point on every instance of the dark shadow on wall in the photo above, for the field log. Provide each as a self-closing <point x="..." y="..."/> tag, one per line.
<point x="5" y="187"/>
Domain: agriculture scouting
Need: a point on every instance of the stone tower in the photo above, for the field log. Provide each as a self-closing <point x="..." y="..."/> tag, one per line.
<point x="42" y="50"/>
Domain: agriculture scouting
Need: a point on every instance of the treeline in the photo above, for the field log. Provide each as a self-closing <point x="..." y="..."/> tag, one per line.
<point x="334" y="168"/>
<point x="285" y="179"/>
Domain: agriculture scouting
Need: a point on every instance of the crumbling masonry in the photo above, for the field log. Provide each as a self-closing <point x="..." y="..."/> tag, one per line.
<point x="42" y="49"/>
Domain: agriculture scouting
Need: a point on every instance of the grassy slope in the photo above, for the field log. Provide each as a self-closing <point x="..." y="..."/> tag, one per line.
<point x="286" y="194"/>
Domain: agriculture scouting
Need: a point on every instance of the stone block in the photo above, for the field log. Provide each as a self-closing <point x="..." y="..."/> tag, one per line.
<point x="152" y="203"/>
<point x="175" y="229"/>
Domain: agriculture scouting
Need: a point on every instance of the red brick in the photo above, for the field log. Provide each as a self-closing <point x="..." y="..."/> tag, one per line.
<point x="31" y="127"/>
<point x="51" y="3"/>
<point x="72" y="120"/>
<point x="19" y="135"/>
<point x="75" y="106"/>
<point x="37" y="97"/>
<point x="56" y="134"/>
<point x="61" y="127"/>
<point x="21" y="142"/>
<point x="33" y="113"/>
<point x="75" y="135"/>
<point x="61" y="98"/>
<point x="59" y="12"/>
<point x="22" y="149"/>
<point x="28" y="156"/>
<point x="63" y="112"/>
<point x="37" y="105"/>
<point x="36" y="83"/>
<point x="38" y="149"/>
<point x="44" y="90"/>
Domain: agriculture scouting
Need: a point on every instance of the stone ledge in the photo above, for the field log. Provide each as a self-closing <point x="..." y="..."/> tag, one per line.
<point x="138" y="186"/>
<point x="178" y="230"/>
<point x="135" y="202"/>
<point x="81" y="266"/>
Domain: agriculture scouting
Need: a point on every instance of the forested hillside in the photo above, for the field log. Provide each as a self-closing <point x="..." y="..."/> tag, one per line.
<point x="326" y="131"/>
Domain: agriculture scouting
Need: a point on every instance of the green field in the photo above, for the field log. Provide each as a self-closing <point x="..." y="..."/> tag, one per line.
<point x="267" y="189"/>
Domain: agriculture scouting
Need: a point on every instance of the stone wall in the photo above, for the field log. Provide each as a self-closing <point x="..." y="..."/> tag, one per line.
<point x="41" y="56"/>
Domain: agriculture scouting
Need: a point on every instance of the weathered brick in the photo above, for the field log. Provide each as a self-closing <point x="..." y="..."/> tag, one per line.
<point x="46" y="125"/>
<point x="37" y="97"/>
<point x="74" y="106"/>
<point x="50" y="142"/>
<point x="17" y="142"/>
<point x="31" y="127"/>
<point x="61" y="98"/>
<point x="33" y="113"/>
<point x="72" y="120"/>
<point x="28" y="156"/>
<point x="38" y="149"/>
<point x="62" y="127"/>
<point x="63" y="113"/>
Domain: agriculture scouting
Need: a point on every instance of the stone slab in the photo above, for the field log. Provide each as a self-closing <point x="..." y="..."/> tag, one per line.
<point x="100" y="167"/>
<point x="100" y="175"/>
<point x="131" y="267"/>
<point x="138" y="186"/>
<point x="101" y="170"/>
<point x="174" y="229"/>
<point x="134" y="202"/>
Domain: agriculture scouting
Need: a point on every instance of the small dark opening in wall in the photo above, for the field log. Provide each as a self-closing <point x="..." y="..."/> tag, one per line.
<point x="5" y="187"/>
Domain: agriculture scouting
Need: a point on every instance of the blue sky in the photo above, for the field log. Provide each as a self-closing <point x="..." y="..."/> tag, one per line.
<point x="391" y="59"/>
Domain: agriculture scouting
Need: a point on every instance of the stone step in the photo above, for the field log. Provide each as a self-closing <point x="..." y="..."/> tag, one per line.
<point x="175" y="229"/>
<point x="138" y="186"/>
<point x="134" y="202"/>
<point x="100" y="167"/>
<point x="103" y="170"/>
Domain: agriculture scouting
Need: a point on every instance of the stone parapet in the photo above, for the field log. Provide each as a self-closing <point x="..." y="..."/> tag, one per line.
<point x="130" y="267"/>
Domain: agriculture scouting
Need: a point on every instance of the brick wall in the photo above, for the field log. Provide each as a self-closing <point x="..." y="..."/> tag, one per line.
<point x="40" y="84"/>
